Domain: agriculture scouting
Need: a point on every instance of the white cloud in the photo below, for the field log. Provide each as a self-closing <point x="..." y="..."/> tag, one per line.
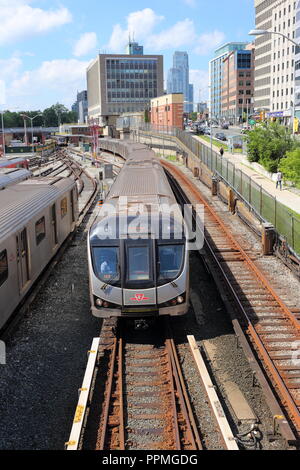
<point x="20" y="20"/>
<point x="199" y="78"/>
<point x="86" y="44"/>
<point x="190" y="3"/>
<point x="10" y="67"/>
<point x="208" y="41"/>
<point x="139" y="24"/>
<point x="181" y="34"/>
<point x="54" y="80"/>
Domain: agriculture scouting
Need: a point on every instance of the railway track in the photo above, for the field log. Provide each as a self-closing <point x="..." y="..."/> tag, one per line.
<point x="88" y="193"/>
<point x="271" y="327"/>
<point x="145" y="403"/>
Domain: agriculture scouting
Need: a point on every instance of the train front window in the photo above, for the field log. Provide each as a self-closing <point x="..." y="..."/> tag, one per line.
<point x="170" y="261"/>
<point x="138" y="263"/>
<point x="106" y="263"/>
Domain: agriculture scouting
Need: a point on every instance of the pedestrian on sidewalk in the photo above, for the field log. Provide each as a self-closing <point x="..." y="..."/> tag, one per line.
<point x="279" y="180"/>
<point x="221" y="151"/>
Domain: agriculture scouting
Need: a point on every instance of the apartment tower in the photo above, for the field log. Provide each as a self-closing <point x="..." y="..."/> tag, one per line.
<point x="275" y="58"/>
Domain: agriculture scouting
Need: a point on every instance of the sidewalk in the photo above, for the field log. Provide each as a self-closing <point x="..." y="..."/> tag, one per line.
<point x="286" y="197"/>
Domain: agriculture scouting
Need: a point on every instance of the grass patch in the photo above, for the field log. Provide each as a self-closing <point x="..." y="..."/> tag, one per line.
<point x="218" y="144"/>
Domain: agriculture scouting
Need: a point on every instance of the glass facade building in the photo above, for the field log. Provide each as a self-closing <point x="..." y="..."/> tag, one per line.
<point x="178" y="77"/>
<point x="216" y="76"/>
<point x="297" y="63"/>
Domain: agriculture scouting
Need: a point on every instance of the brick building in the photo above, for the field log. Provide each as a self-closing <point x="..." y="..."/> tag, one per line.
<point x="238" y="84"/>
<point x="167" y="110"/>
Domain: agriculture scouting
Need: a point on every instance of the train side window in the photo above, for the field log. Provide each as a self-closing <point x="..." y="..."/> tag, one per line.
<point x="64" y="207"/>
<point x="40" y="230"/>
<point x="3" y="267"/>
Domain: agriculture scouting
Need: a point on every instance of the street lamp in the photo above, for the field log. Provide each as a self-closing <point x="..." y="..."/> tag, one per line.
<point x="31" y="119"/>
<point x="262" y="32"/>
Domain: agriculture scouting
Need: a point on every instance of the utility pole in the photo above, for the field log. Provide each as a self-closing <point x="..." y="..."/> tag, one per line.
<point x="3" y="135"/>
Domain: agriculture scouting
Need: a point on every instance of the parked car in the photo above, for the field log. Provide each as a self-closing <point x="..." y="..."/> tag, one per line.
<point x="224" y="126"/>
<point x="206" y="130"/>
<point x="220" y="136"/>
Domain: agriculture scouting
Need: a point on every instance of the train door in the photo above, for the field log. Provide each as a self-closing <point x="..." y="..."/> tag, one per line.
<point x="54" y="225"/>
<point x="22" y="258"/>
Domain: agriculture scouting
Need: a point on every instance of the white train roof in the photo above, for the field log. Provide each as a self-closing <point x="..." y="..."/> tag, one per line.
<point x="22" y="202"/>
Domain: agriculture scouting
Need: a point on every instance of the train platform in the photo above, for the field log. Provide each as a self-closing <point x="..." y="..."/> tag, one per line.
<point x="288" y="196"/>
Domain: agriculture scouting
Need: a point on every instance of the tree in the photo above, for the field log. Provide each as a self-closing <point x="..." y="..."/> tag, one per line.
<point x="193" y="116"/>
<point x="290" y="166"/>
<point x="268" y="144"/>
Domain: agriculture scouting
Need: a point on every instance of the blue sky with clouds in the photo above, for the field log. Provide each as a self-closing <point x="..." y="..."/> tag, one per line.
<point x="45" y="46"/>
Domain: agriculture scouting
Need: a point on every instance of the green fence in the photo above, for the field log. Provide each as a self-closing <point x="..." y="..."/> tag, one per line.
<point x="265" y="206"/>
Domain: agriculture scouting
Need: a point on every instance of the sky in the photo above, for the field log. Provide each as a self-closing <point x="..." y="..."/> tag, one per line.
<point x="46" y="45"/>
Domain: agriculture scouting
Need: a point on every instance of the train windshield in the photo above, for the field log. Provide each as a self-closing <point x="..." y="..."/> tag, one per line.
<point x="106" y="263"/>
<point x="138" y="263"/>
<point x="170" y="261"/>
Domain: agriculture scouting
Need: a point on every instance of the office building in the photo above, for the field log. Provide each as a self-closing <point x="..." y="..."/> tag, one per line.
<point x="178" y="77"/>
<point x="133" y="48"/>
<point x="237" y="87"/>
<point x="191" y="98"/>
<point x="297" y="63"/>
<point x="275" y="58"/>
<point x="119" y="83"/>
<point x="80" y="107"/>
<point x="216" y="76"/>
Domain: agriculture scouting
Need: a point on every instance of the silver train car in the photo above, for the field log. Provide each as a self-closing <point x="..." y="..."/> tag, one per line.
<point x="137" y="247"/>
<point x="9" y="176"/>
<point x="36" y="216"/>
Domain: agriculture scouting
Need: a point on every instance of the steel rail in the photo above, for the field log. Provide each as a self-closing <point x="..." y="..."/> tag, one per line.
<point x="182" y="392"/>
<point x="107" y="403"/>
<point x="248" y="260"/>
<point x="288" y="400"/>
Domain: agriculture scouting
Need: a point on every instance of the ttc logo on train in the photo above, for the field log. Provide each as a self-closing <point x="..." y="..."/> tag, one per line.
<point x="139" y="297"/>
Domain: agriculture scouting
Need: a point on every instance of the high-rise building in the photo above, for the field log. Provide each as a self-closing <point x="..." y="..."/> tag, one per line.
<point x="297" y="63"/>
<point x="178" y="77"/>
<point x="216" y="76"/>
<point x="119" y="83"/>
<point x="80" y="107"/>
<point x="134" y="48"/>
<point x="191" y="98"/>
<point x="274" y="58"/>
<point x="175" y="81"/>
<point x="237" y="88"/>
<point x="201" y="107"/>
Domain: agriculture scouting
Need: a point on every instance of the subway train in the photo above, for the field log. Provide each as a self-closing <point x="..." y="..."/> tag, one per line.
<point x="36" y="216"/>
<point x="14" y="162"/>
<point x="137" y="247"/>
<point x="9" y="176"/>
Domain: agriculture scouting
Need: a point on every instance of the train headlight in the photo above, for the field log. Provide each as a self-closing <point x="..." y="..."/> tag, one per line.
<point x="105" y="304"/>
<point x="180" y="299"/>
<point x="99" y="302"/>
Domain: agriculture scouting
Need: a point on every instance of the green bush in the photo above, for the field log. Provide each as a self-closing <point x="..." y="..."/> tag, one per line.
<point x="290" y="166"/>
<point x="268" y="144"/>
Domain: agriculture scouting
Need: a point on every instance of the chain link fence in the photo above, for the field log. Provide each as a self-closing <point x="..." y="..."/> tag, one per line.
<point x="265" y="206"/>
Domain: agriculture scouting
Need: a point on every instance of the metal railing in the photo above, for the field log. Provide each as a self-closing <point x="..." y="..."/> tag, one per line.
<point x="265" y="206"/>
